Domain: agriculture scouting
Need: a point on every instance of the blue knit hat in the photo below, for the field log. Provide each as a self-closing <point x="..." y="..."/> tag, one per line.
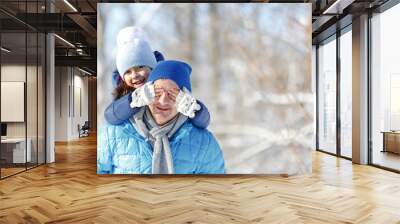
<point x="177" y="71"/>
<point x="133" y="50"/>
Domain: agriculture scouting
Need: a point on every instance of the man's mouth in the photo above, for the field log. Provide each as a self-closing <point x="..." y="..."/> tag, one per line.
<point x="162" y="108"/>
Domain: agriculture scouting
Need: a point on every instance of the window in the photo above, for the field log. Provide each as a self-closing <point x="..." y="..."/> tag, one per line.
<point x="385" y="88"/>
<point x="346" y="93"/>
<point x="327" y="96"/>
<point x="22" y="65"/>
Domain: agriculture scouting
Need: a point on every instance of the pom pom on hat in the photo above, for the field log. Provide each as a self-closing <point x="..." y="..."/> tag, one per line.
<point x="128" y="34"/>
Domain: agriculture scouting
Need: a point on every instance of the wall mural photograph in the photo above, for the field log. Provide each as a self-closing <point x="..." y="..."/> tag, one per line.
<point x="204" y="89"/>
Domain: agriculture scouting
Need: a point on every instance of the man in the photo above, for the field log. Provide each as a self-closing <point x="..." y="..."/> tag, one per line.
<point x="158" y="139"/>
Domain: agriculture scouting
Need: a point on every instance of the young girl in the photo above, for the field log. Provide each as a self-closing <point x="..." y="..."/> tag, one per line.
<point x="135" y="60"/>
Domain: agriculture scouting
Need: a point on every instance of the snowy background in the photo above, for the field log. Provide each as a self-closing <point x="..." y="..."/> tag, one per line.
<point x="251" y="67"/>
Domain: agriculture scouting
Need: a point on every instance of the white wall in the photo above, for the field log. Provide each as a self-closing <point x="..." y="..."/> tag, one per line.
<point x="16" y="73"/>
<point x="61" y="103"/>
<point x="80" y="84"/>
<point x="69" y="82"/>
<point x="33" y="126"/>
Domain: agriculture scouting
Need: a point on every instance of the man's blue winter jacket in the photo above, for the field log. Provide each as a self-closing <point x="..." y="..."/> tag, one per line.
<point x="121" y="150"/>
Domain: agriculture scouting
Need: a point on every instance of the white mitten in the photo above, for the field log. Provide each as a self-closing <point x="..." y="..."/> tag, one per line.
<point x="143" y="95"/>
<point x="186" y="104"/>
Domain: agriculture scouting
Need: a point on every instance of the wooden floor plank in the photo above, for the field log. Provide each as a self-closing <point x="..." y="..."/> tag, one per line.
<point x="70" y="191"/>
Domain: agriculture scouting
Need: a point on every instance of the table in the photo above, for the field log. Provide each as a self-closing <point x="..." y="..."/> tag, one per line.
<point x="16" y="147"/>
<point x="391" y="141"/>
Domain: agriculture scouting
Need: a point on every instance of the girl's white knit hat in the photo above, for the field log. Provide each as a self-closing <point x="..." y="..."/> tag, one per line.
<point x="133" y="50"/>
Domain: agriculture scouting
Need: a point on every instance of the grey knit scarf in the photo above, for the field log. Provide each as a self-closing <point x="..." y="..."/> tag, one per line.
<point x="158" y="136"/>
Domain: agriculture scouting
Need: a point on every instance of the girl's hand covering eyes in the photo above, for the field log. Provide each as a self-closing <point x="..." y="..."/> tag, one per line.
<point x="186" y="104"/>
<point x="171" y="93"/>
<point x="143" y="95"/>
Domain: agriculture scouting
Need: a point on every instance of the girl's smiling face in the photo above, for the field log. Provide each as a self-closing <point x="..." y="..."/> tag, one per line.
<point x="136" y="76"/>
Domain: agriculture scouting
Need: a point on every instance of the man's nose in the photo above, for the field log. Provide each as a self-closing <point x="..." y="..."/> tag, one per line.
<point x="164" y="99"/>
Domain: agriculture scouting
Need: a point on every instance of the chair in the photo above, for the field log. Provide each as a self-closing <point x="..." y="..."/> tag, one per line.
<point x="84" y="130"/>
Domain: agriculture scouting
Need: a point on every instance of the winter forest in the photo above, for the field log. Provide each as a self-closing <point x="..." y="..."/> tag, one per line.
<point x="251" y="67"/>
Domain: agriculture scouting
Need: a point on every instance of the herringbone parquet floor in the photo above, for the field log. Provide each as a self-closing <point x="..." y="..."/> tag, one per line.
<point x="69" y="191"/>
